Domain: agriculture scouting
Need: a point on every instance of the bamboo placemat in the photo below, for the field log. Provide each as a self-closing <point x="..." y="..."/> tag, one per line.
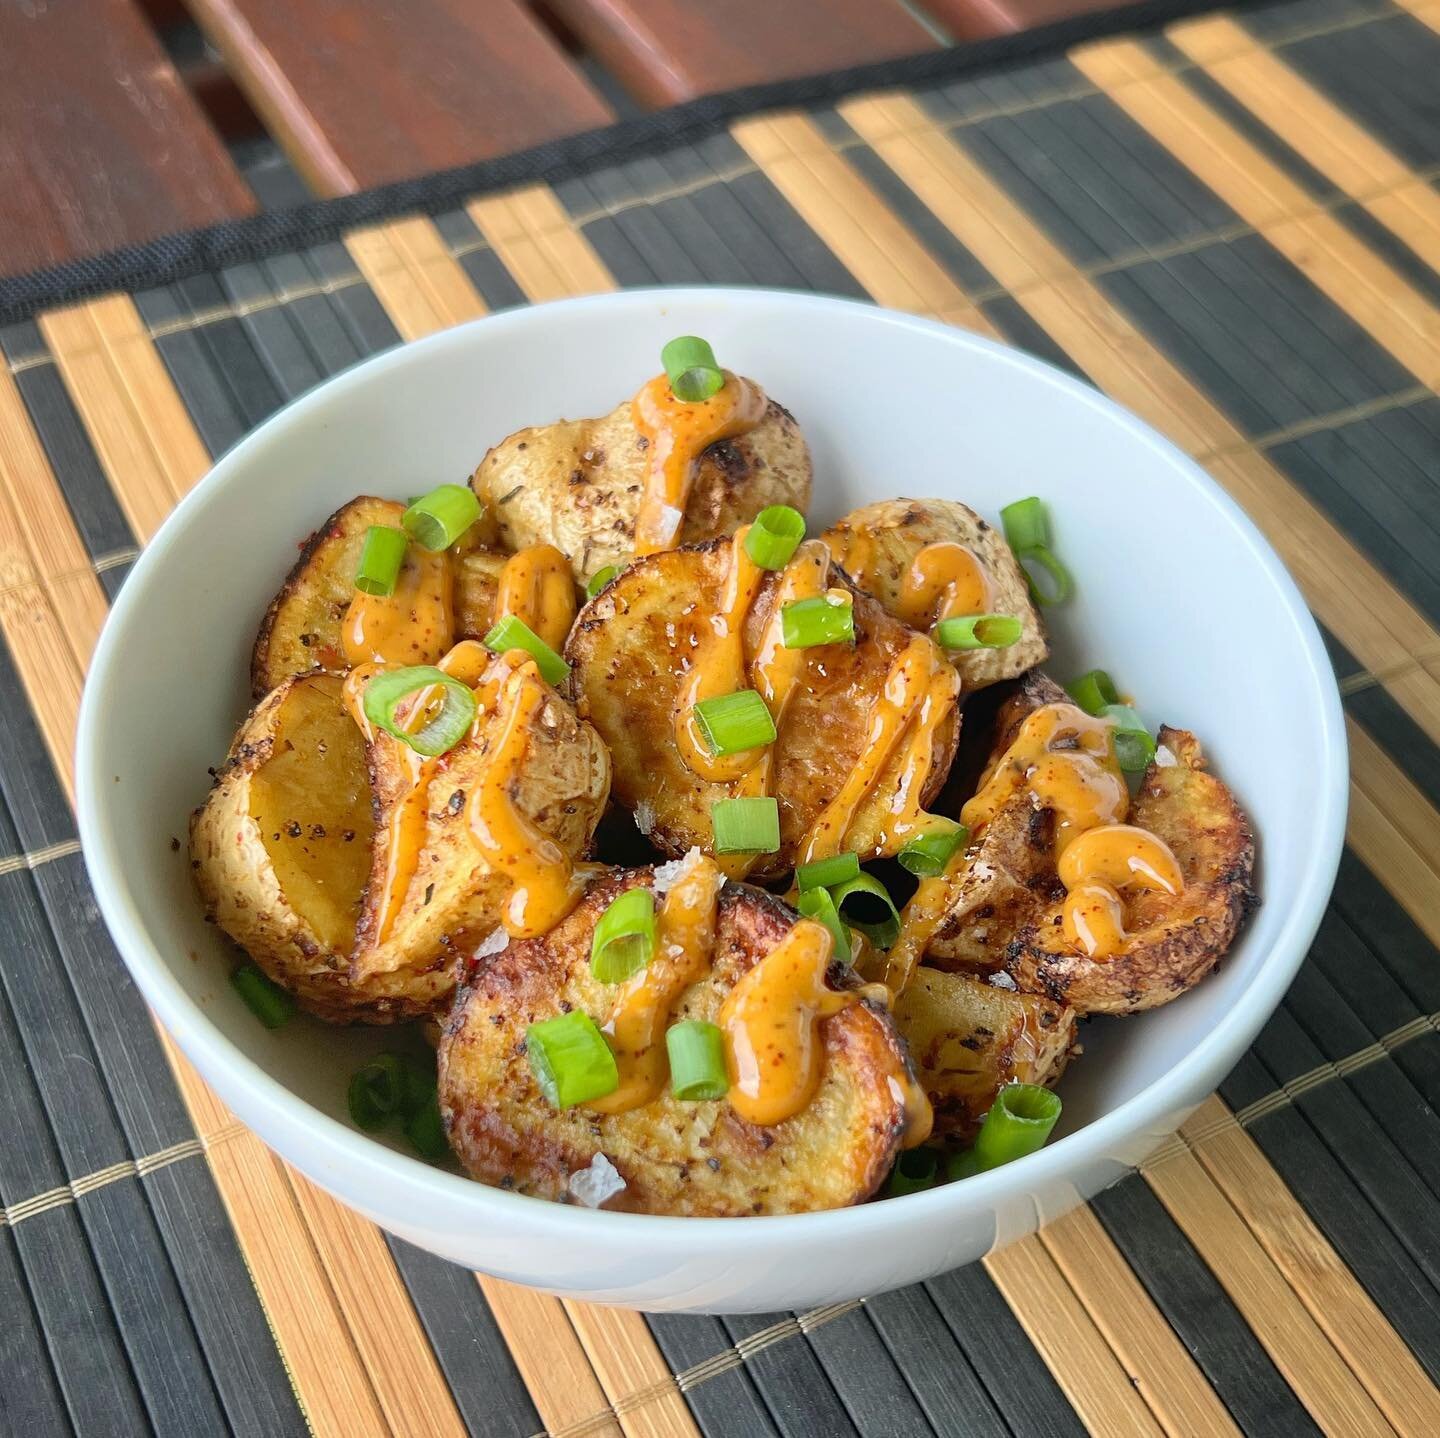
<point x="1234" y="229"/>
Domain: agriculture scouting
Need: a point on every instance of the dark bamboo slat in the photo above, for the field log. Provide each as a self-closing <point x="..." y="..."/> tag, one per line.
<point x="104" y="145"/>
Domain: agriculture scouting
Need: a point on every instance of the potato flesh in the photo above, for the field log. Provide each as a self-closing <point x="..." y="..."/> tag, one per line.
<point x="968" y="1039"/>
<point x="311" y="800"/>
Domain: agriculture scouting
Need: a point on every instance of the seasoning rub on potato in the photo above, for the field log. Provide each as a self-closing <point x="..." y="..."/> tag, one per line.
<point x="676" y="1158"/>
<point x="631" y="648"/>
<point x="301" y="628"/>
<point x="897" y="550"/>
<point x="577" y="484"/>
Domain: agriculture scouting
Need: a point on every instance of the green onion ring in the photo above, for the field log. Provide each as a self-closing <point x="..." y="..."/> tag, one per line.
<point x="774" y="536"/>
<point x="818" y="905"/>
<point x="881" y="932"/>
<point x="693" y="371"/>
<point x="388" y="689"/>
<point x="697" y="1061"/>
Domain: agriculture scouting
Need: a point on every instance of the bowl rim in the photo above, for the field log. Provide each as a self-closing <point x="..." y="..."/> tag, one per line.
<point x="336" y="1146"/>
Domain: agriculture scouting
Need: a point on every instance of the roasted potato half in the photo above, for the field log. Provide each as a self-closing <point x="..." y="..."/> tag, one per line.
<point x="882" y="540"/>
<point x="301" y="628"/>
<point x="454" y="899"/>
<point x="281" y="848"/>
<point x="630" y="649"/>
<point x="968" y="1039"/>
<point x="1173" y="941"/>
<point x="1006" y="914"/>
<point x="577" y="484"/>
<point x="675" y="1158"/>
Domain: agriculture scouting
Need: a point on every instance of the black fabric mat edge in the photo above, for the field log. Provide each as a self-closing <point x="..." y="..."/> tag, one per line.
<point x="173" y="257"/>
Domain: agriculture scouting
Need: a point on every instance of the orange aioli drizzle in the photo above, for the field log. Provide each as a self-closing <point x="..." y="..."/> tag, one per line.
<point x="1066" y="758"/>
<point x="685" y="937"/>
<point x="771" y="1021"/>
<point x="1097" y="868"/>
<point x="536" y="587"/>
<point x="413" y="624"/>
<point x="677" y="434"/>
<point x="944" y="580"/>
<point x="918" y="694"/>
<point x="544" y="883"/>
<point x="919" y="919"/>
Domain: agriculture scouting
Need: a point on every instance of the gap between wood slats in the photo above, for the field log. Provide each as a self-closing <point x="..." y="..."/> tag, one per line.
<point x="141" y="432"/>
<point x="575" y="1359"/>
<point x="1123" y="361"/>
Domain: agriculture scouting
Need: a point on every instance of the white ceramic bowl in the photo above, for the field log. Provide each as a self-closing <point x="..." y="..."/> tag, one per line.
<point x="1177" y="594"/>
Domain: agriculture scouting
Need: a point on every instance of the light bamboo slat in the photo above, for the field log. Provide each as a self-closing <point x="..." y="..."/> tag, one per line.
<point x="627" y="1360"/>
<point x="1320" y="1377"/>
<point x="855" y="223"/>
<point x="1329" y="1291"/>
<point x="421" y="285"/>
<point x="1425" y="11"/>
<point x="1353" y="277"/>
<point x="543" y="249"/>
<point x="551" y="1359"/>
<point x="1088" y="1372"/>
<point x="1165" y="1375"/>
<point x="319" y="1349"/>
<point x="1317" y="129"/>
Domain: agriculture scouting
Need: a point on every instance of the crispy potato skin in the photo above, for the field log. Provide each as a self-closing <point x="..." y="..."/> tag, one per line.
<point x="1007" y="914"/>
<point x="270" y="851"/>
<point x="455" y="899"/>
<point x="630" y="648"/>
<point x="899" y="529"/>
<point x="577" y="484"/>
<point x="968" y="1040"/>
<point x="1174" y="942"/>
<point x="301" y="628"/>
<point x="695" y="1159"/>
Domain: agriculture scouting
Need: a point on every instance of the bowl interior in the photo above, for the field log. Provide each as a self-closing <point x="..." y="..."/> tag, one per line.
<point x="1177" y="596"/>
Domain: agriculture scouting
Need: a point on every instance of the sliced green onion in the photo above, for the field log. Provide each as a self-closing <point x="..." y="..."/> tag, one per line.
<point x="263" y="996"/>
<point x="878" y="918"/>
<point x="927" y="854"/>
<point x="1026" y="524"/>
<point x="624" y="939"/>
<point x="774" y="536"/>
<point x="1059" y="577"/>
<point x="978" y="631"/>
<point x="600" y="579"/>
<point x="824" y="872"/>
<point x="820" y="620"/>
<point x="1093" y="691"/>
<point x="420" y="1086"/>
<point x="426" y="1131"/>
<point x="512" y="633"/>
<point x="1134" y="744"/>
<point x="733" y="723"/>
<point x="818" y="905"/>
<point x="1027" y="532"/>
<point x="697" y="1061"/>
<point x="571" y="1061"/>
<point x="436" y="520"/>
<point x="380" y="560"/>
<point x="386" y="691"/>
<point x="746" y="826"/>
<point x="916" y="1169"/>
<point x="377" y="1091"/>
<point x="692" y="368"/>
<point x="1019" y="1122"/>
